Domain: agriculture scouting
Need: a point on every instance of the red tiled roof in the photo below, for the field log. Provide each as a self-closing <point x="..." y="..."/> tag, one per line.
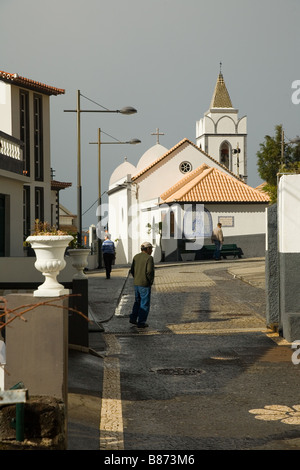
<point x="16" y="79"/>
<point x="180" y="144"/>
<point x="206" y="184"/>
<point x="261" y="186"/>
<point x="57" y="185"/>
<point x="184" y="181"/>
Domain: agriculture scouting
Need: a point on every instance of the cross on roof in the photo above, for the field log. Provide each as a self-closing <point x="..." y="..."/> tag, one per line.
<point x="157" y="133"/>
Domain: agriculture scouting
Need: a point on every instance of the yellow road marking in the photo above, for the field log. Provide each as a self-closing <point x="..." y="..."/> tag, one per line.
<point x="111" y="418"/>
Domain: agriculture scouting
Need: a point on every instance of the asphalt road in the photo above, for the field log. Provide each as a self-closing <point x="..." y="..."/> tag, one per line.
<point x="206" y="375"/>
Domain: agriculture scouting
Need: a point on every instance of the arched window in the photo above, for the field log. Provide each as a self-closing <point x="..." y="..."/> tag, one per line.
<point x="170" y="222"/>
<point x="225" y="154"/>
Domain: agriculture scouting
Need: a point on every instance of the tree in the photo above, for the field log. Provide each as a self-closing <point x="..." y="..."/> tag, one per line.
<point x="276" y="157"/>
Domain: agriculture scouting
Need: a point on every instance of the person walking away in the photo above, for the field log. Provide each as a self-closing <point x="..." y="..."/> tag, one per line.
<point x="217" y="238"/>
<point x="142" y="270"/>
<point x="108" y="251"/>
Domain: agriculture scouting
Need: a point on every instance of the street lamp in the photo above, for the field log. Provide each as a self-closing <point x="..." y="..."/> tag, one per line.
<point x="127" y="110"/>
<point x="99" y="143"/>
<point x="296" y="140"/>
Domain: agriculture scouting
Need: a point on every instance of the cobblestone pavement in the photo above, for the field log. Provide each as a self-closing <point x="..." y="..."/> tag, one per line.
<point x="206" y="375"/>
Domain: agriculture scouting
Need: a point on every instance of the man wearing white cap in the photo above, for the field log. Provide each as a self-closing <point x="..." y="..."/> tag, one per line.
<point x="142" y="270"/>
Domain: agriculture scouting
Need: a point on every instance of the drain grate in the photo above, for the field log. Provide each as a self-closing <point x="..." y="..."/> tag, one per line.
<point x="178" y="371"/>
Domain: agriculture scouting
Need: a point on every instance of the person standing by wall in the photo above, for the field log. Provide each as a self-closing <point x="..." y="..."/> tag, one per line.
<point x="217" y="238"/>
<point x="142" y="270"/>
<point x="109" y="253"/>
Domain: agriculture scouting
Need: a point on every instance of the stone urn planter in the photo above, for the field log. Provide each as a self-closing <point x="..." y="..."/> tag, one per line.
<point x="50" y="260"/>
<point x="79" y="261"/>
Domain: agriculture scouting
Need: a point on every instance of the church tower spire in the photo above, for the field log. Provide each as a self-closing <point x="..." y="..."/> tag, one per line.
<point x="221" y="133"/>
<point x="221" y="98"/>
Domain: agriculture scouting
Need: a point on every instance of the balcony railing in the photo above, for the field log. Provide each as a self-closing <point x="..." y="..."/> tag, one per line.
<point x="11" y="153"/>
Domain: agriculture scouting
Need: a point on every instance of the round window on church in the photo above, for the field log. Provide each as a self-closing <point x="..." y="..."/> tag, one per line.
<point x="185" y="167"/>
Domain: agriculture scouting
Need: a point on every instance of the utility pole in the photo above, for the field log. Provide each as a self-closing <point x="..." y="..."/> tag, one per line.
<point x="282" y="146"/>
<point x="237" y="151"/>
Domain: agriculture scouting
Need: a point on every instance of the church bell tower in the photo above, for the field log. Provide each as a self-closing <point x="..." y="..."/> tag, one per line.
<point x="221" y="134"/>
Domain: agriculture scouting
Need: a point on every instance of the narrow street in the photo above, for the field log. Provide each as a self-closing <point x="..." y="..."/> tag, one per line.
<point x="205" y="375"/>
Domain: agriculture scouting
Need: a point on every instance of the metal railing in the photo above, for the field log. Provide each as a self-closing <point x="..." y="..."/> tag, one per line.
<point x="10" y="146"/>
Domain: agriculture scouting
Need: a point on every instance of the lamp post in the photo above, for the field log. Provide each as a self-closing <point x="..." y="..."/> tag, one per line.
<point x="99" y="143"/>
<point x="237" y="151"/>
<point x="296" y="140"/>
<point x="127" y="110"/>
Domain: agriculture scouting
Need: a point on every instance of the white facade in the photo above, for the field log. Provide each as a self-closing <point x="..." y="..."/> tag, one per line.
<point x="25" y="168"/>
<point x="126" y="215"/>
<point x="169" y="169"/>
<point x="136" y="210"/>
<point x="120" y="217"/>
<point x="12" y="189"/>
<point x="6" y="108"/>
<point x="289" y="214"/>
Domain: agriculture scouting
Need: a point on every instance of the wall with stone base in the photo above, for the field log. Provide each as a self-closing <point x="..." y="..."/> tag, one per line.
<point x="289" y="255"/>
<point x="44" y="425"/>
<point x="272" y="270"/>
<point x="37" y="348"/>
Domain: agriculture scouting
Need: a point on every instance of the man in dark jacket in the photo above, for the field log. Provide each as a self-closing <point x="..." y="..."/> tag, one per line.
<point x="109" y="252"/>
<point x="142" y="270"/>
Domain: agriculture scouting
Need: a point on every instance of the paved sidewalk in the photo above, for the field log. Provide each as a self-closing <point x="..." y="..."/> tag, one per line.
<point x="252" y="272"/>
<point x="105" y="294"/>
<point x="86" y="370"/>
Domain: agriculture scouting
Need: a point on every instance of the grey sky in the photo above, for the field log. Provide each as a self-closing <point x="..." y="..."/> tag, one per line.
<point x="161" y="57"/>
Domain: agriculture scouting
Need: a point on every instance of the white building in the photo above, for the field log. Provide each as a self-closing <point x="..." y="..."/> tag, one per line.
<point x="173" y="195"/>
<point x="27" y="191"/>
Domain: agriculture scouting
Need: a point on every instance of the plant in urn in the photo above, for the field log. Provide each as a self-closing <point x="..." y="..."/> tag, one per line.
<point x="79" y="255"/>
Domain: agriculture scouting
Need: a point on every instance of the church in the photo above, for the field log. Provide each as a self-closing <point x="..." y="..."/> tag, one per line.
<point x="175" y="197"/>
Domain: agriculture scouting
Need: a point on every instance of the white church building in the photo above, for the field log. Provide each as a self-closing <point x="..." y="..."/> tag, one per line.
<point x="174" y="197"/>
